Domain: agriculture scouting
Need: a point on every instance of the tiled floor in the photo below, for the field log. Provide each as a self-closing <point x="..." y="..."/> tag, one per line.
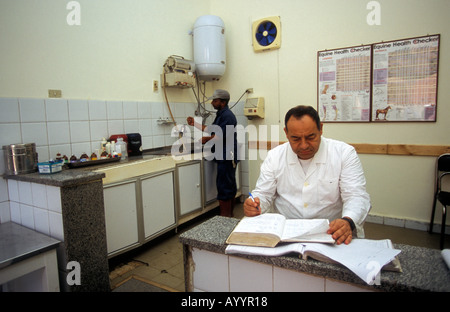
<point x="161" y="261"/>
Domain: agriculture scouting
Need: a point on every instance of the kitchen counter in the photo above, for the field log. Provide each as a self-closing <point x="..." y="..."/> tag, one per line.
<point x="23" y="252"/>
<point x="423" y="268"/>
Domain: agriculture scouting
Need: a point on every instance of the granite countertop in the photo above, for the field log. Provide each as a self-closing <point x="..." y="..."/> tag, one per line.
<point x="74" y="176"/>
<point x="66" y="177"/>
<point x="423" y="268"/>
<point x="18" y="243"/>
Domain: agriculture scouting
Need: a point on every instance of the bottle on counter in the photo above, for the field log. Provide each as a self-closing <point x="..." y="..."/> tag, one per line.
<point x="121" y="148"/>
<point x="103" y="144"/>
<point x="108" y="148"/>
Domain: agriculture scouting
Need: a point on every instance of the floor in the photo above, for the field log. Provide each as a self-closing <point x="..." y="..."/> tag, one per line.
<point x="160" y="262"/>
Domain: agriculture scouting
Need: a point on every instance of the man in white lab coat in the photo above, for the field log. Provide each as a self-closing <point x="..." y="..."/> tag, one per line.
<point x="311" y="176"/>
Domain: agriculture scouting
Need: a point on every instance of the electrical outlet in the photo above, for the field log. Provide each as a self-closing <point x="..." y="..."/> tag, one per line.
<point x="155" y="85"/>
<point x="54" y="93"/>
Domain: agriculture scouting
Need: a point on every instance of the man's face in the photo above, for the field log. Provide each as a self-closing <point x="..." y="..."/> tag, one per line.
<point x="217" y="104"/>
<point x="303" y="136"/>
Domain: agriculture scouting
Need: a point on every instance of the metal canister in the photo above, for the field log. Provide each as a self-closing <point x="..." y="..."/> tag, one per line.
<point x="20" y="158"/>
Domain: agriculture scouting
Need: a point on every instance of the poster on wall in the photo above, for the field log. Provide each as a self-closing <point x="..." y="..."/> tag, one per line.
<point x="405" y="77"/>
<point x="344" y="84"/>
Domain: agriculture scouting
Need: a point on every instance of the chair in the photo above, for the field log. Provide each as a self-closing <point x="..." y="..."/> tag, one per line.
<point x="442" y="170"/>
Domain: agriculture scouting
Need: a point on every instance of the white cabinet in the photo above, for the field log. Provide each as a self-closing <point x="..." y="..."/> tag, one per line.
<point x="158" y="203"/>
<point x="121" y="215"/>
<point x="138" y="210"/>
<point x="189" y="187"/>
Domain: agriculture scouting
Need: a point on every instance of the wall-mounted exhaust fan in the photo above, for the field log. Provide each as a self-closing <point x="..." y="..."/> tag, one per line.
<point x="266" y="34"/>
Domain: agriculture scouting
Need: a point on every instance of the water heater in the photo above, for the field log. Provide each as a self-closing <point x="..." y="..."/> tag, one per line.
<point x="209" y="47"/>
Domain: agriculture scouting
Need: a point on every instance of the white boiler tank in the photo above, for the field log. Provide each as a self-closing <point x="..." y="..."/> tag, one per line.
<point x="209" y="47"/>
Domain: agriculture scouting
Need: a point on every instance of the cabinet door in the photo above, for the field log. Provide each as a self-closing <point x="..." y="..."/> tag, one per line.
<point x="158" y="203"/>
<point x="120" y="215"/>
<point x="189" y="185"/>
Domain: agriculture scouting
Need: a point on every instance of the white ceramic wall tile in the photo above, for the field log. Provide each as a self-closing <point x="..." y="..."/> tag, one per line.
<point x="63" y="149"/>
<point x="130" y="110"/>
<point x="53" y="198"/>
<point x="79" y="131"/>
<point x="211" y="271"/>
<point x="288" y="281"/>
<point x="56" y="110"/>
<point x="27" y="216"/>
<point x="35" y="132"/>
<point x="10" y="110"/>
<point x="178" y="109"/>
<point x="32" y="110"/>
<point x="25" y="194"/>
<point x="5" y="212"/>
<point x="115" y="127"/>
<point x="41" y="223"/>
<point x="78" y="110"/>
<point x="56" y="225"/>
<point x="79" y="148"/>
<point x="13" y="190"/>
<point x="99" y="129"/>
<point x="15" y="212"/>
<point x="131" y="126"/>
<point x="156" y="129"/>
<point x="114" y="110"/>
<point x="157" y="110"/>
<point x="3" y="190"/>
<point x="39" y="194"/>
<point x="10" y="134"/>
<point x="146" y="127"/>
<point x="335" y="286"/>
<point x="97" y="110"/>
<point x="58" y="132"/>
<point x="144" y="110"/>
<point x="43" y="153"/>
<point x="249" y="276"/>
<point x="158" y="141"/>
<point x="147" y="142"/>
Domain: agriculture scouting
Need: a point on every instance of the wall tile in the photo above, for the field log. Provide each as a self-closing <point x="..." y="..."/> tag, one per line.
<point x="144" y="110"/>
<point x="32" y="110"/>
<point x="56" y="110"/>
<point x="99" y="129"/>
<point x="53" y="198"/>
<point x="212" y="265"/>
<point x="25" y="195"/>
<point x="39" y="195"/>
<point x="246" y="275"/>
<point x="97" y="110"/>
<point x="15" y="212"/>
<point x="79" y="131"/>
<point x="41" y="222"/>
<point x="58" y="133"/>
<point x="56" y="225"/>
<point x="78" y="110"/>
<point x="27" y="216"/>
<point x="114" y="110"/>
<point x="5" y="212"/>
<point x="35" y="133"/>
<point x="10" y="110"/>
<point x="13" y="190"/>
<point x="11" y="133"/>
<point x="130" y="110"/>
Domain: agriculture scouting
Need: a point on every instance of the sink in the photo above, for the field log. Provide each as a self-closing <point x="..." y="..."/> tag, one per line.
<point x="128" y="170"/>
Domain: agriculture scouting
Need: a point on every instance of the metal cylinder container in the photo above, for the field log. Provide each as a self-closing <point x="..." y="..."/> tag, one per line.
<point x="20" y="158"/>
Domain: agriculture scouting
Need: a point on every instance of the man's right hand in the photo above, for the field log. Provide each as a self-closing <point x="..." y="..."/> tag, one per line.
<point x="252" y="208"/>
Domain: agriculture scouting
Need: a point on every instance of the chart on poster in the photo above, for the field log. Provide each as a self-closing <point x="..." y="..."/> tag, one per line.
<point x="344" y="84"/>
<point x="405" y="77"/>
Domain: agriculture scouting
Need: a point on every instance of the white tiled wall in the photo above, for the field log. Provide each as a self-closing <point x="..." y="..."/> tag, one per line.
<point x="220" y="272"/>
<point x="35" y="206"/>
<point x="76" y="126"/>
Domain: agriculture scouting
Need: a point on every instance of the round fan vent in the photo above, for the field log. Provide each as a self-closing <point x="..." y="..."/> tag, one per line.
<point x="266" y="33"/>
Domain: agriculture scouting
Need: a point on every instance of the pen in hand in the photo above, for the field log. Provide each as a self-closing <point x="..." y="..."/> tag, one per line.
<point x="251" y="196"/>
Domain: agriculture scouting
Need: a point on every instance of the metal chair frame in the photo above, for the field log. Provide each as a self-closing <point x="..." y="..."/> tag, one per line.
<point x="442" y="170"/>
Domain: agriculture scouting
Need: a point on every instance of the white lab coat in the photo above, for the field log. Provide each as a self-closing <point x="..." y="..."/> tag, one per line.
<point x="334" y="185"/>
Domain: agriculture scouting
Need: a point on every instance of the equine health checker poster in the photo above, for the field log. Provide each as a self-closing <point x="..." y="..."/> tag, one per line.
<point x="344" y="84"/>
<point x="381" y="82"/>
<point x="405" y="76"/>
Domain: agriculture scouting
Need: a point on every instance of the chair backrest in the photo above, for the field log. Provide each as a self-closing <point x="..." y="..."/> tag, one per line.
<point x="443" y="162"/>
